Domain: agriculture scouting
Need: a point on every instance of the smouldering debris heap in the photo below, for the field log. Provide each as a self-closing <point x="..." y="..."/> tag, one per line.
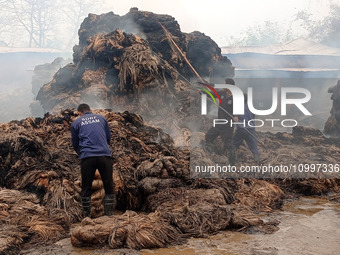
<point x="131" y="63"/>
<point x="151" y="176"/>
<point x="332" y="126"/>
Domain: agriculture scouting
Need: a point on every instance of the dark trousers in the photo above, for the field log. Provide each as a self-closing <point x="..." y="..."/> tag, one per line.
<point x="88" y="169"/>
<point x="226" y="133"/>
<point x="248" y="135"/>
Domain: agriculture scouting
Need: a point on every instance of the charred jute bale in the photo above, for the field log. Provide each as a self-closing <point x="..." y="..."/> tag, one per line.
<point x="23" y="218"/>
<point x="146" y="24"/>
<point x="312" y="187"/>
<point x="259" y="195"/>
<point x="162" y="167"/>
<point x="300" y="131"/>
<point x="219" y="67"/>
<point x="192" y="213"/>
<point x="11" y="239"/>
<point x="130" y="230"/>
<point x="166" y="196"/>
<point x="98" y="194"/>
<point x="162" y="173"/>
<point x="138" y="232"/>
<point x="62" y="199"/>
<point x="198" y="219"/>
<point x="28" y="166"/>
<point x="137" y="66"/>
<point x="200" y="212"/>
<point x="92" y="231"/>
<point x="103" y="60"/>
<point x="150" y="185"/>
<point x="131" y="63"/>
<point x="227" y="187"/>
<point x="335" y="198"/>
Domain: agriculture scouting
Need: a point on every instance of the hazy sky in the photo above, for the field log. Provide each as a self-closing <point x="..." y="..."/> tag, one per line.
<point x="224" y="19"/>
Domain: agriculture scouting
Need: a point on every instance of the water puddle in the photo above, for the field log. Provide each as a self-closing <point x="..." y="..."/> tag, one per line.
<point x="307" y="226"/>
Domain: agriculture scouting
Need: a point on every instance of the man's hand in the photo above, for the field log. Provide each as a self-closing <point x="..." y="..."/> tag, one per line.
<point x="235" y="119"/>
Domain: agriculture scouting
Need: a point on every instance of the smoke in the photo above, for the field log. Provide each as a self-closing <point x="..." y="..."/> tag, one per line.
<point x="109" y="22"/>
<point x="319" y="104"/>
<point x="14" y="104"/>
<point x="261" y="71"/>
<point x="130" y="26"/>
<point x="296" y="66"/>
<point x="16" y="73"/>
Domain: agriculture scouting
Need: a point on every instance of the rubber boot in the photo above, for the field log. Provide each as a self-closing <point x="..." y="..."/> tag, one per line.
<point x="232" y="157"/>
<point x="86" y="203"/>
<point x="109" y="204"/>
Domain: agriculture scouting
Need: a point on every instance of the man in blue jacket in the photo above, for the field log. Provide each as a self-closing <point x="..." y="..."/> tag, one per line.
<point x="90" y="139"/>
<point x="246" y="132"/>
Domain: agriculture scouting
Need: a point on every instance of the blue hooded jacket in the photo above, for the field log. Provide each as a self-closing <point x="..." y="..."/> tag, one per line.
<point x="248" y="116"/>
<point x="91" y="136"/>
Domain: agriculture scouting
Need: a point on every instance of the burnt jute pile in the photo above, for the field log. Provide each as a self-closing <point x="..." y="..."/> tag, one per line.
<point x="40" y="180"/>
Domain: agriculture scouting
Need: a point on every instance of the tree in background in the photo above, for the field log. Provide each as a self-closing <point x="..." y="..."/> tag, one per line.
<point x="43" y="23"/>
<point x="270" y="32"/>
<point x="5" y="23"/>
<point x="326" y="30"/>
<point x="34" y="17"/>
<point x="74" y="13"/>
